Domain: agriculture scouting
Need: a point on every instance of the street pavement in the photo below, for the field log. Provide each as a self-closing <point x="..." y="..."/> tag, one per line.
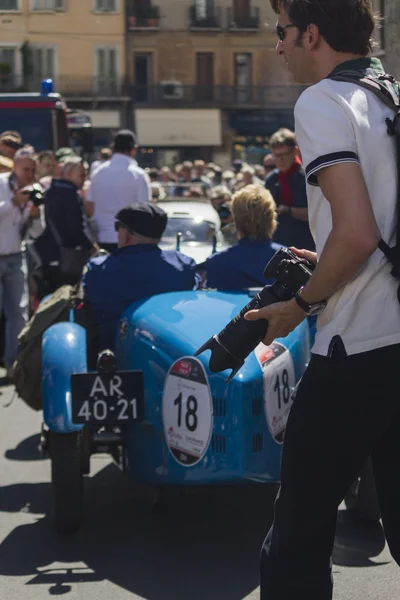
<point x="196" y="546"/>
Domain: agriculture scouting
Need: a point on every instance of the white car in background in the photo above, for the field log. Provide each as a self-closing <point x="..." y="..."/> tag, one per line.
<point x="193" y="227"/>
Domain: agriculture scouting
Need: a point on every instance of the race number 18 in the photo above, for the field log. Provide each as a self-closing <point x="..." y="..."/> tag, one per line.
<point x="187" y="411"/>
<point x="281" y="388"/>
<point x="190" y="414"/>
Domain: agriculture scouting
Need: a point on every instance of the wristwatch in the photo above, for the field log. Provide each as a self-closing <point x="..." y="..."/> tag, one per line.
<point x="310" y="309"/>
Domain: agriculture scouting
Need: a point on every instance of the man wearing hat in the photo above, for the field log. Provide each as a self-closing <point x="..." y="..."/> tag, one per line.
<point x="10" y="143"/>
<point x="138" y="269"/>
<point x="116" y="183"/>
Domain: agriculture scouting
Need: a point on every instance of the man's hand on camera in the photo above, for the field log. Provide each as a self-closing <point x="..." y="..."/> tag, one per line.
<point x="282" y="318"/>
<point x="307" y="254"/>
<point x="34" y="212"/>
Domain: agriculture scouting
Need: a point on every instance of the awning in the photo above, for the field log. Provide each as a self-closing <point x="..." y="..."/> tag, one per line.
<point x="171" y="127"/>
<point x="105" y="119"/>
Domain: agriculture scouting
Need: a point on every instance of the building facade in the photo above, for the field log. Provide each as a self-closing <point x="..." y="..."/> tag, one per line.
<point x="206" y="79"/>
<point x="80" y="44"/>
<point x="389" y="36"/>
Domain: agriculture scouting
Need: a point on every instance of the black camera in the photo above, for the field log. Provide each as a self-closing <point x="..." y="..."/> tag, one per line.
<point x="35" y="194"/>
<point x="233" y="344"/>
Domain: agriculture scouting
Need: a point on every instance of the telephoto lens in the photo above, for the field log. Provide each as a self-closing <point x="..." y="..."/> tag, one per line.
<point x="237" y="340"/>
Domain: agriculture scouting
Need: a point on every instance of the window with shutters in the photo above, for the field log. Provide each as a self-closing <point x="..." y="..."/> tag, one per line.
<point x="8" y="59"/>
<point x="44" y="62"/>
<point x="106" y="69"/>
<point x="53" y="5"/>
<point x="9" y="5"/>
<point x="10" y="67"/>
<point x="106" y="5"/>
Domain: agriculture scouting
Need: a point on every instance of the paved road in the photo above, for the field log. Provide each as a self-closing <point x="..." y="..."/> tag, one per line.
<point x="201" y="546"/>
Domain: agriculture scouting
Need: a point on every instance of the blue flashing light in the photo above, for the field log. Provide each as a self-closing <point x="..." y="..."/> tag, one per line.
<point x="46" y="87"/>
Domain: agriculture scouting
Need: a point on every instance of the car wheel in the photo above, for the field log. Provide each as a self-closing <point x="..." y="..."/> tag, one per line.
<point x="362" y="498"/>
<point x="67" y="481"/>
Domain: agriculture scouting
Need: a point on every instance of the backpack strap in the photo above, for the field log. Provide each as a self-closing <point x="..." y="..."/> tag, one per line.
<point x="386" y="93"/>
<point x="386" y="89"/>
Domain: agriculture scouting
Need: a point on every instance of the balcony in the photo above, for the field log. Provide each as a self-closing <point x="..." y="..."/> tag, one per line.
<point x="176" y="95"/>
<point x="144" y="18"/>
<point x="71" y="88"/>
<point x="243" y="21"/>
<point x="210" y="21"/>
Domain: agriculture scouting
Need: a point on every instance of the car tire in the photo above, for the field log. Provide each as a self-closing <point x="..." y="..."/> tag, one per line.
<point x="362" y="498"/>
<point x="67" y="481"/>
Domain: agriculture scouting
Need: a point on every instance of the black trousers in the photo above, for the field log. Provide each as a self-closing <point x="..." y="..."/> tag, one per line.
<point x="346" y="408"/>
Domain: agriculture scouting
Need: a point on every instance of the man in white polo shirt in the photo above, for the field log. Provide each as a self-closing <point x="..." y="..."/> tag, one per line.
<point x="17" y="214"/>
<point x="347" y="406"/>
<point x="114" y="185"/>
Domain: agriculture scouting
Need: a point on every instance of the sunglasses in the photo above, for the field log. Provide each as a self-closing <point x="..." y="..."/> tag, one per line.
<point x="281" y="30"/>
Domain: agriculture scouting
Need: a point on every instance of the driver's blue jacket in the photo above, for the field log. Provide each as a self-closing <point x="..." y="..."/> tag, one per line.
<point x="239" y="267"/>
<point x="113" y="282"/>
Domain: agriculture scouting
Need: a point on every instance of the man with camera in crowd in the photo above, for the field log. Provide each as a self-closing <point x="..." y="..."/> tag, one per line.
<point x="64" y="217"/>
<point x="18" y="215"/>
<point x="347" y="405"/>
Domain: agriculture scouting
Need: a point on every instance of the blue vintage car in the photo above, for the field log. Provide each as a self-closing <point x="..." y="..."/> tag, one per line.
<point x="160" y="412"/>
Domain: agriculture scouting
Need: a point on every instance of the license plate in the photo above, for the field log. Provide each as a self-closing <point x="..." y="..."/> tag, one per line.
<point x="117" y="400"/>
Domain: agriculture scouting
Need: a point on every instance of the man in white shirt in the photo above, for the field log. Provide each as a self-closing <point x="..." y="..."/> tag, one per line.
<point x="347" y="406"/>
<point x="114" y="185"/>
<point x="16" y="214"/>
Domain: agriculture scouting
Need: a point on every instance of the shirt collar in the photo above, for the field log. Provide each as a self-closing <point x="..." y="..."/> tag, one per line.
<point x="359" y="64"/>
<point x="122" y="158"/>
<point x="247" y="242"/>
<point x="137" y="249"/>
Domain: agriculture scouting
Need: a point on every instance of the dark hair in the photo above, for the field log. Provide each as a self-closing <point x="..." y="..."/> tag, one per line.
<point x="346" y="25"/>
<point x="153" y="174"/>
<point x="45" y="154"/>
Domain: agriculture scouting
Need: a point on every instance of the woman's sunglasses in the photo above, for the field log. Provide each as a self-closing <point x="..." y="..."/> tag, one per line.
<point x="281" y="30"/>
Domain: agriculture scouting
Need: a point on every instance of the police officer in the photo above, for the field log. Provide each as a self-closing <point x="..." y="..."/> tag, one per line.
<point x="242" y="265"/>
<point x="347" y="405"/>
<point x="138" y="269"/>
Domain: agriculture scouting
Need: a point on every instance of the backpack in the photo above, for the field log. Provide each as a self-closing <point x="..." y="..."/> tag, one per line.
<point x="387" y="89"/>
<point x="27" y="369"/>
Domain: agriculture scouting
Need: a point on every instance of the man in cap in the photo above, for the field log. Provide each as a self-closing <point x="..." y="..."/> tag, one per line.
<point x="10" y="143"/>
<point x="116" y="183"/>
<point x="138" y="269"/>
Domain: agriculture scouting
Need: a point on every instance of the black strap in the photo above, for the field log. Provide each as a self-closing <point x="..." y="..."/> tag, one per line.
<point x="390" y="96"/>
<point x="54" y="231"/>
<point x="386" y="94"/>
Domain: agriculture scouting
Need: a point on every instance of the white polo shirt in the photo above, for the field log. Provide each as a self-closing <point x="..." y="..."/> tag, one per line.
<point x="342" y="122"/>
<point x="12" y="218"/>
<point x="115" y="184"/>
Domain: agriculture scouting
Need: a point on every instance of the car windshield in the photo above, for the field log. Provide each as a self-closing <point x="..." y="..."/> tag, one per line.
<point x="193" y="230"/>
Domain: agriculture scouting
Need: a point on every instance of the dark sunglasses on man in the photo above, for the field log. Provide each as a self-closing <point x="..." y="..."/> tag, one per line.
<point x="281" y="30"/>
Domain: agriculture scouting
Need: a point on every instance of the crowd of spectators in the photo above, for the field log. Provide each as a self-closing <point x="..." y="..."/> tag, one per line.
<point x="80" y="202"/>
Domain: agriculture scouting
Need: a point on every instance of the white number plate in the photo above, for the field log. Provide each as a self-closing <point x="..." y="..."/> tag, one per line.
<point x="279" y="384"/>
